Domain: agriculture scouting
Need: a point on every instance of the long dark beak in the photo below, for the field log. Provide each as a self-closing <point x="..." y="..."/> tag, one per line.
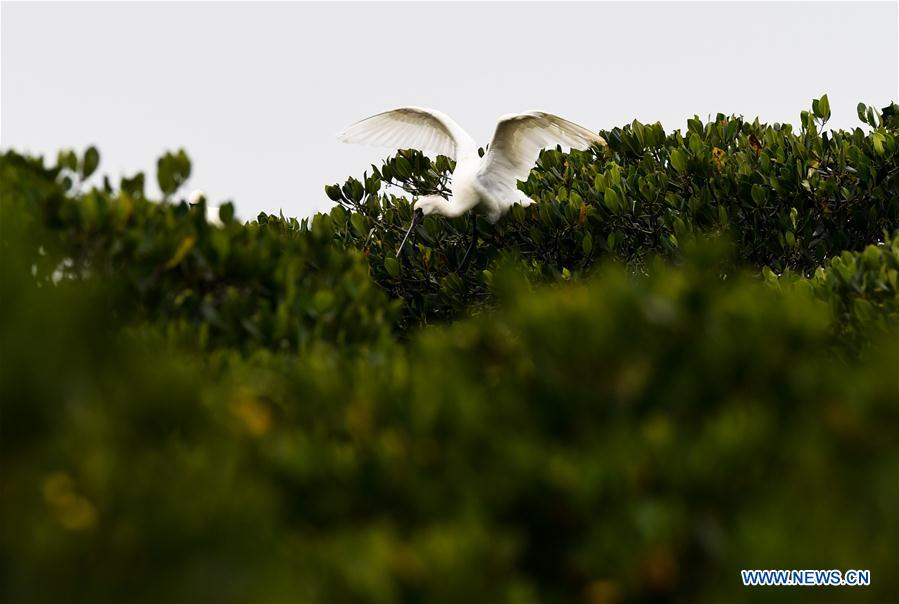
<point x="417" y="215"/>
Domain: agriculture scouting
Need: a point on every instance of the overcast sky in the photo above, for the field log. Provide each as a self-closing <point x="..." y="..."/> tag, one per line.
<point x="256" y="92"/>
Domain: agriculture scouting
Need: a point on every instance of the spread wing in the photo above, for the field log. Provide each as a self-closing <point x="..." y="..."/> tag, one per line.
<point x="519" y="137"/>
<point x="412" y="128"/>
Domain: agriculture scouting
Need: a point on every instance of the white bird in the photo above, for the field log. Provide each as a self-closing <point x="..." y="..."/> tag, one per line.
<point x="212" y="211"/>
<point x="484" y="185"/>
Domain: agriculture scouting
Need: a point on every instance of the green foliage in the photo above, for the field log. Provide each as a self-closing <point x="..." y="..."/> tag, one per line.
<point x="172" y="170"/>
<point x="273" y="283"/>
<point x="861" y="288"/>
<point x="789" y="200"/>
<point x="697" y="427"/>
<point x="258" y="412"/>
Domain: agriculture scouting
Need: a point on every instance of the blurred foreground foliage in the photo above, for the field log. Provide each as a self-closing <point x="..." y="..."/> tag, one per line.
<point x="199" y="412"/>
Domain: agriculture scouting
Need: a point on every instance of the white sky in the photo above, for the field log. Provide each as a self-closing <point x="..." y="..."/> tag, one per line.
<point x="256" y="92"/>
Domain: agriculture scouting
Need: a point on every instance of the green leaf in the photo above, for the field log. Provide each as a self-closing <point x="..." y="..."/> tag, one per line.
<point x="133" y="186"/>
<point x="353" y="189"/>
<point x="824" y="107"/>
<point x="695" y="144"/>
<point x="90" y="162"/>
<point x="333" y="192"/>
<point x="360" y="224"/>
<point x="614" y="176"/>
<point x="861" y="108"/>
<point x="403" y="167"/>
<point x="722" y="215"/>
<point x="694" y="125"/>
<point x="872" y="117"/>
<point x="679" y="160"/>
<point x="226" y="212"/>
<point x="587" y="244"/>
<point x="611" y="199"/>
<point x="372" y="185"/>
<point x="871" y="257"/>
<point x="392" y="266"/>
<point x="323" y="300"/>
<point x="67" y="159"/>
<point x="877" y="140"/>
<point x="759" y="195"/>
<point x="338" y="215"/>
<point x="790" y="238"/>
<point x="172" y="170"/>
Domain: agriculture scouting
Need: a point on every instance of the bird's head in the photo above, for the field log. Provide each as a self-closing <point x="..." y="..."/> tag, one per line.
<point x="429" y="204"/>
<point x="424" y="206"/>
<point x="196" y="197"/>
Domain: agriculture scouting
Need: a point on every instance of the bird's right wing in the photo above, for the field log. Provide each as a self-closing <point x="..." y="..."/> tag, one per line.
<point x="519" y="137"/>
<point x="412" y="128"/>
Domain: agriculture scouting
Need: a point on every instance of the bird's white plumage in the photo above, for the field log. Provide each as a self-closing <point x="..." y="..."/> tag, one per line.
<point x="518" y="139"/>
<point x="412" y="128"/>
<point x="487" y="184"/>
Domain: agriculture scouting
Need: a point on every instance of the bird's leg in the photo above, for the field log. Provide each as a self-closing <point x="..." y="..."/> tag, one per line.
<point x="472" y="243"/>
<point x="417" y="216"/>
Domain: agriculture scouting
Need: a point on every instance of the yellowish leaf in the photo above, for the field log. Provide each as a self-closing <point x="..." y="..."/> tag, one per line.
<point x="719" y="157"/>
<point x="186" y="245"/>
<point x="254" y="415"/>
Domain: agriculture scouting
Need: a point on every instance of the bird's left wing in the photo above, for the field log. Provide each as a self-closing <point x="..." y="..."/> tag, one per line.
<point x="412" y="127"/>
<point x="519" y="137"/>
